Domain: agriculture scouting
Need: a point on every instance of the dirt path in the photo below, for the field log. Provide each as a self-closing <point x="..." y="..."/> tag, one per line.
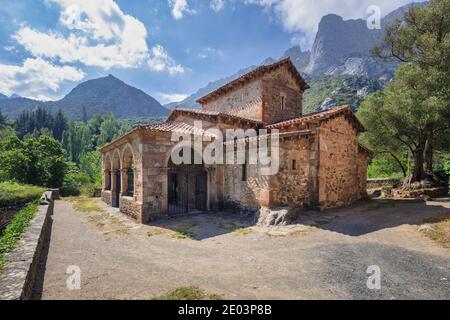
<point x="325" y="256"/>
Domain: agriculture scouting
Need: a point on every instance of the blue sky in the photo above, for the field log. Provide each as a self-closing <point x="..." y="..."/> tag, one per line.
<point x="168" y="48"/>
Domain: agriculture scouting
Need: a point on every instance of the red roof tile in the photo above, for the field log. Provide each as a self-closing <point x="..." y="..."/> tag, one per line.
<point x="320" y="116"/>
<point x="223" y="115"/>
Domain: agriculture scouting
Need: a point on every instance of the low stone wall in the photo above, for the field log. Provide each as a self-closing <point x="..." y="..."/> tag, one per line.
<point x="379" y="183"/>
<point x="129" y="207"/>
<point x="107" y="197"/>
<point x="19" y="274"/>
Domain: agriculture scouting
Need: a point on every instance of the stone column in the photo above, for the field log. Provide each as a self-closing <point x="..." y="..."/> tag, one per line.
<point x="123" y="182"/>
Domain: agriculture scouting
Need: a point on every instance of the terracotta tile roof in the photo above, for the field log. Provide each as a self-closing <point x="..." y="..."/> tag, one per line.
<point x="176" y="126"/>
<point x="209" y="113"/>
<point x="321" y="116"/>
<point x="169" y="126"/>
<point x="255" y="73"/>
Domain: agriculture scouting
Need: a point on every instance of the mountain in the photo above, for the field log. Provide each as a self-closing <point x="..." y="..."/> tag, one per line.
<point x="189" y="102"/>
<point x="12" y="107"/>
<point x="339" y="68"/>
<point x="343" y="47"/>
<point x="2" y="96"/>
<point x="94" y="97"/>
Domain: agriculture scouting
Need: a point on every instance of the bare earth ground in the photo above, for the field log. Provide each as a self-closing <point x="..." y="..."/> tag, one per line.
<point x="324" y="256"/>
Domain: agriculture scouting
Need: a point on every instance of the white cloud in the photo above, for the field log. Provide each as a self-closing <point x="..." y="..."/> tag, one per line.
<point x="217" y="5"/>
<point x="303" y="16"/>
<point x="101" y="35"/>
<point x="210" y="52"/>
<point x="36" y="78"/>
<point x="171" y="97"/>
<point x="160" y="61"/>
<point x="179" y="8"/>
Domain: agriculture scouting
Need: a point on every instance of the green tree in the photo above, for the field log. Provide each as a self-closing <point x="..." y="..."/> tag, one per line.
<point x="91" y="164"/>
<point x="34" y="161"/>
<point x="415" y="109"/>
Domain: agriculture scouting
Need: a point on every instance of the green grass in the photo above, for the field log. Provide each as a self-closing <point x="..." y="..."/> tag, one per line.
<point x="12" y="193"/>
<point x="185" y="231"/>
<point x="14" y="231"/>
<point x="189" y="293"/>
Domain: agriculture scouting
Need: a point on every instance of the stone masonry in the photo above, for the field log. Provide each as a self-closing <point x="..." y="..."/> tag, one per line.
<point x="320" y="160"/>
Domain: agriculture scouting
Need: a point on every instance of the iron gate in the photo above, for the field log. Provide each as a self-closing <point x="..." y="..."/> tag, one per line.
<point x="187" y="191"/>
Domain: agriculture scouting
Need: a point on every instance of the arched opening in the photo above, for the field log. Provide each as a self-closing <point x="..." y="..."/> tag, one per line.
<point x="107" y="173"/>
<point x="128" y="169"/>
<point x="187" y="188"/>
<point x="116" y="180"/>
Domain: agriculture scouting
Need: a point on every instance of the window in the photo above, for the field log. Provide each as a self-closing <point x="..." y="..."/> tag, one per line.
<point x="283" y="101"/>
<point x="130" y="178"/>
<point x="294" y="164"/>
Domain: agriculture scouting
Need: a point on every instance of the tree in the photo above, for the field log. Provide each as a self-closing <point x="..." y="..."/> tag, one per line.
<point x="3" y="121"/>
<point x="415" y="109"/>
<point x="34" y="161"/>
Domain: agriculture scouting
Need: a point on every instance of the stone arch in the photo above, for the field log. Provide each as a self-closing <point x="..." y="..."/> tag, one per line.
<point x="107" y="167"/>
<point x="187" y="185"/>
<point x="128" y="170"/>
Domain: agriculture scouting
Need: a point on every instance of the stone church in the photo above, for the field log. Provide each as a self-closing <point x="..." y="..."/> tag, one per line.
<point x="321" y="163"/>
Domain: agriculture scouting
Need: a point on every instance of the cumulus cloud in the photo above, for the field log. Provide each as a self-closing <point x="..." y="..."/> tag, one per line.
<point x="36" y="78"/>
<point x="179" y="8"/>
<point x="303" y="16"/>
<point x="171" y="97"/>
<point x="217" y="5"/>
<point x="160" y="61"/>
<point x="100" y="35"/>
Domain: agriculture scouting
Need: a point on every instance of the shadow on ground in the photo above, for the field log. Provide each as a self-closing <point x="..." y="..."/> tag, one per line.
<point x="202" y="226"/>
<point x="375" y="215"/>
<point x="363" y="218"/>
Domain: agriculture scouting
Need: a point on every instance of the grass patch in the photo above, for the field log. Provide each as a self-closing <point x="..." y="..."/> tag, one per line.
<point x="440" y="229"/>
<point x="320" y="223"/>
<point x="84" y="204"/>
<point x="12" y="194"/>
<point x="185" y="231"/>
<point x="189" y="293"/>
<point x="243" y="231"/>
<point x="14" y="231"/>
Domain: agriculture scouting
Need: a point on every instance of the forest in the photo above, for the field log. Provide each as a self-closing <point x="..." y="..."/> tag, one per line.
<point x="45" y="149"/>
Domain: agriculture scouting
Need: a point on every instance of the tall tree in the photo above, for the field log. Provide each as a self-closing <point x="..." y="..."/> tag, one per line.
<point x="416" y="107"/>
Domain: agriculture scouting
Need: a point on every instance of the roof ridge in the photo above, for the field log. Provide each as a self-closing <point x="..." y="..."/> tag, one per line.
<point x="261" y="68"/>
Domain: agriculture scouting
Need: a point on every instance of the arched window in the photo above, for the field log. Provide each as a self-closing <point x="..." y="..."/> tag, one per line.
<point x="130" y="179"/>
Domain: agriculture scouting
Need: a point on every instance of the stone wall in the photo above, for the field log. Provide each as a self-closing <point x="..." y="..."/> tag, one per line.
<point x="107" y="197"/>
<point x="295" y="185"/>
<point x="19" y="273"/>
<point x="130" y="207"/>
<point x="338" y="170"/>
<point x="238" y="193"/>
<point x="245" y="101"/>
<point x="276" y="84"/>
<point x="363" y="161"/>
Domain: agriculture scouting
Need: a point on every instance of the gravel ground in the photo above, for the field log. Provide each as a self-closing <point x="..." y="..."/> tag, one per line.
<point x="324" y="256"/>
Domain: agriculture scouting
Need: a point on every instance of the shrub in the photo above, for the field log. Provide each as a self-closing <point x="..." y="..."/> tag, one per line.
<point x="12" y="193"/>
